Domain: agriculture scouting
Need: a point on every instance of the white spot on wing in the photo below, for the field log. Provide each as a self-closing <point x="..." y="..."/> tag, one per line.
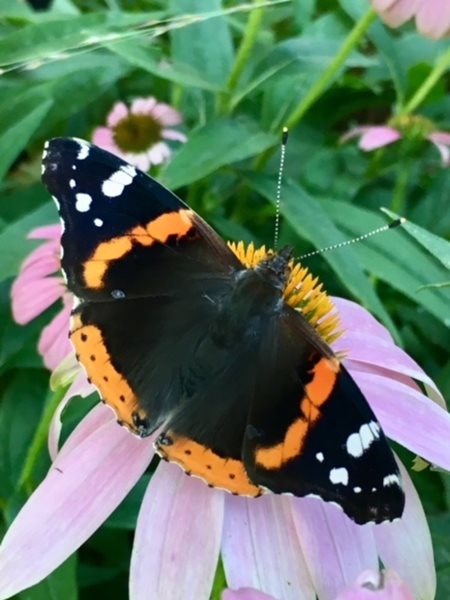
<point x="72" y="183"/>
<point x="98" y="222"/>
<point x="114" y="185"/>
<point x="392" y="479"/>
<point x="83" y="152"/>
<point x="56" y="201"/>
<point x="359" y="442"/>
<point x="83" y="202"/>
<point x="339" y="475"/>
<point x="357" y="489"/>
<point x="320" y="457"/>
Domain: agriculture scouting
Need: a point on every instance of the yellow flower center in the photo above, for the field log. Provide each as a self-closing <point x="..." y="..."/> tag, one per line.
<point x="137" y="133"/>
<point x="303" y="292"/>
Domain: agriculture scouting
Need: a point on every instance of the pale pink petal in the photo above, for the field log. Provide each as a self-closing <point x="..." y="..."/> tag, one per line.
<point x="173" y="134"/>
<point x="80" y="491"/>
<point x="354" y="317"/>
<point x="260" y="548"/>
<point x="408" y="416"/>
<point x="43" y="260"/>
<point x="373" y="585"/>
<point x="336" y="550"/>
<point x="405" y="545"/>
<point x="143" y="105"/>
<point x="97" y="417"/>
<point x="354" y="132"/>
<point x="29" y="301"/>
<point x="400" y="12"/>
<point x="54" y="344"/>
<point x="104" y="138"/>
<point x="380" y="5"/>
<point x="177" y="541"/>
<point x="245" y="594"/>
<point x="46" y="232"/>
<point x="166" y="115"/>
<point x="433" y="18"/>
<point x="376" y="137"/>
<point x="141" y="161"/>
<point x="158" y="153"/>
<point x="359" y="346"/>
<point x="440" y="137"/>
<point x="118" y="113"/>
<point x="444" y="149"/>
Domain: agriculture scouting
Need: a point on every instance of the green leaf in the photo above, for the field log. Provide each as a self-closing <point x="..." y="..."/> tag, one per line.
<point x="125" y="516"/>
<point x="307" y="217"/>
<point x="59" y="585"/>
<point x="435" y="245"/>
<point x="140" y="54"/>
<point x="13" y="245"/>
<point x="394" y="258"/>
<point x="221" y="142"/>
<point x="206" y="45"/>
<point x="18" y="121"/>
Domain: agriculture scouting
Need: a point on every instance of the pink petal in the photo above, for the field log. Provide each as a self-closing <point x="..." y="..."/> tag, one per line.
<point x="408" y="416"/>
<point x="104" y="138"/>
<point x="400" y="12"/>
<point x="440" y="137"/>
<point x="31" y="299"/>
<point x="159" y="153"/>
<point x="376" y="137"/>
<point x="354" y="317"/>
<point x="405" y="545"/>
<point x="361" y="347"/>
<point x="438" y="140"/>
<point x="336" y="550"/>
<point x="260" y="548"/>
<point x="46" y="232"/>
<point x="433" y="18"/>
<point x="141" y="161"/>
<point x="97" y="417"/>
<point x="54" y="344"/>
<point x="173" y="134"/>
<point x="117" y="114"/>
<point x="380" y="5"/>
<point x="372" y="585"/>
<point x="42" y="261"/>
<point x="177" y="541"/>
<point x="354" y="132"/>
<point x="166" y="115"/>
<point x="245" y="594"/>
<point x="143" y="105"/>
<point x="80" y="491"/>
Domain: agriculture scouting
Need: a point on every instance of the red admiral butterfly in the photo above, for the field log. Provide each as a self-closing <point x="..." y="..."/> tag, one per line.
<point x="177" y="332"/>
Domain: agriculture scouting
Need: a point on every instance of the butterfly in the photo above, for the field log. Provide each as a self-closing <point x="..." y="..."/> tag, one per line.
<point x="179" y="334"/>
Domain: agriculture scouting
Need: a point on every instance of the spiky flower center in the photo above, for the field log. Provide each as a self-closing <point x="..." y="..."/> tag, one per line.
<point x="137" y="133"/>
<point x="414" y="127"/>
<point x="303" y="291"/>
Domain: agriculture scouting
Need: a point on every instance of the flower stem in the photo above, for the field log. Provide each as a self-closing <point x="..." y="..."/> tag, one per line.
<point x="243" y="53"/>
<point x="438" y="70"/>
<point x="319" y="87"/>
<point x="40" y="438"/>
<point x="331" y="71"/>
<point x="401" y="185"/>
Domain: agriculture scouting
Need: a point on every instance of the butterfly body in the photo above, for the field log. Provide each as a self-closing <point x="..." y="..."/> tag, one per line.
<point x="178" y="333"/>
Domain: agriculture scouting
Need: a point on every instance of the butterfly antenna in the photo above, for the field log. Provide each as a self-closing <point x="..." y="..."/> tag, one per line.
<point x="284" y="140"/>
<point x="359" y="238"/>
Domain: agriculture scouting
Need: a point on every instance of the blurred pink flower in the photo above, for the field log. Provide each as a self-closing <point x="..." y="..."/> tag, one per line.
<point x="37" y="287"/>
<point x="287" y="547"/>
<point x="432" y="16"/>
<point x="137" y="133"/>
<point x="370" y="585"/>
<point x="372" y="137"/>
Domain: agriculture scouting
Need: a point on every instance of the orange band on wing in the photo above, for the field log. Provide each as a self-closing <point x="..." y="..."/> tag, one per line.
<point x="317" y="392"/>
<point x="177" y="223"/>
<point x="113" y="387"/>
<point x="224" y="473"/>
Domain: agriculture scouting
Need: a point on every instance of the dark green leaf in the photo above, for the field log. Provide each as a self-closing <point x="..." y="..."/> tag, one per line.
<point x="59" y="585"/>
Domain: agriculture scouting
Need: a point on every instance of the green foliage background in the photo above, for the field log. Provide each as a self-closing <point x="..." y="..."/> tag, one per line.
<point x="238" y="73"/>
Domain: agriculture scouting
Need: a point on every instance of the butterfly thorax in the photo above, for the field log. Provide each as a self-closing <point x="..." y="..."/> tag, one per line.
<point x="256" y="295"/>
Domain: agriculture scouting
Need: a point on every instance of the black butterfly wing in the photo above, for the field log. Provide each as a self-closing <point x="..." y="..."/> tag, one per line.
<point x="124" y="233"/>
<point x="143" y="267"/>
<point x="310" y="431"/>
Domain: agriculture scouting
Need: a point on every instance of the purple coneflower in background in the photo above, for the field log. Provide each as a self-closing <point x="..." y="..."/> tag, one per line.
<point x="290" y="548"/>
<point x="138" y="133"/>
<point x="432" y="16"/>
<point x="372" y="137"/>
